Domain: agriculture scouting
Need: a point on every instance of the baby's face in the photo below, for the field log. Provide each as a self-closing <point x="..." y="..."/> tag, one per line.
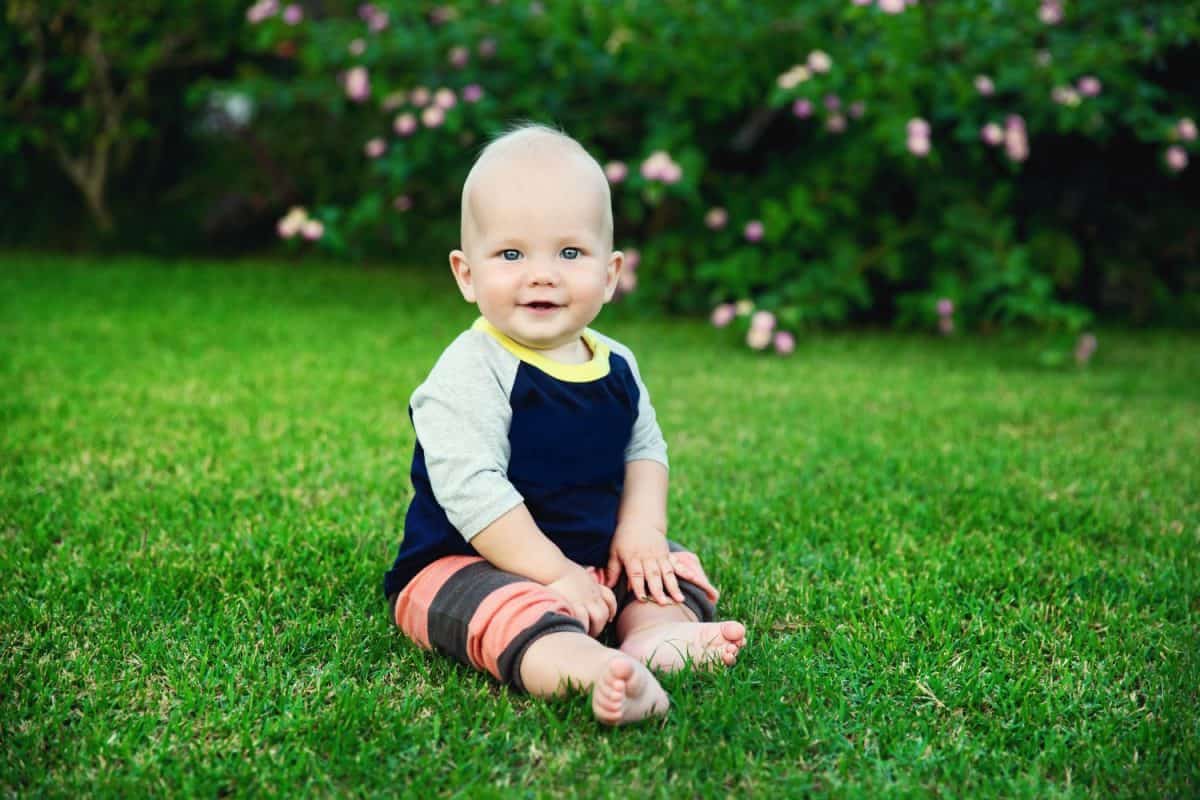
<point x="537" y="252"/>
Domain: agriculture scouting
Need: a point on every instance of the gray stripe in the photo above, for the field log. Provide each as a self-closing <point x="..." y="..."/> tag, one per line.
<point x="514" y="654"/>
<point x="457" y="601"/>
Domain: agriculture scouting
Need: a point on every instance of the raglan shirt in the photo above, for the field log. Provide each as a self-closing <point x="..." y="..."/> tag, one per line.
<point x="498" y="424"/>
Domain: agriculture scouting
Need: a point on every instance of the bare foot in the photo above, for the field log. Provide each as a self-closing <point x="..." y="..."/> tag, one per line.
<point x="670" y="645"/>
<point x="627" y="692"/>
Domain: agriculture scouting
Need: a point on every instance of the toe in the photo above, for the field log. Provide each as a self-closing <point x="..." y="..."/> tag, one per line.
<point x="733" y="631"/>
<point x="621" y="669"/>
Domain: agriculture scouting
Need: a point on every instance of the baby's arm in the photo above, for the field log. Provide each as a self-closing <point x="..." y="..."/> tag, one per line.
<point x="514" y="543"/>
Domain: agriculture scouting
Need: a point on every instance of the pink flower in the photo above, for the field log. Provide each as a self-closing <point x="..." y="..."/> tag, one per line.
<point x="627" y="281"/>
<point x="918" y="128"/>
<point x="357" y="47"/>
<point x="1186" y="129"/>
<point x="374" y="148"/>
<point x="433" y="116"/>
<point x="291" y="223"/>
<point x="1051" y="12"/>
<point x="402" y="203"/>
<point x="918" y="146"/>
<point x="444" y="98"/>
<point x="419" y="97"/>
<point x="377" y="22"/>
<point x="366" y="11"/>
<point x="358" y="84"/>
<point x="722" y="315"/>
<point x="313" y="229"/>
<point x="1065" y="96"/>
<point x="1084" y="348"/>
<point x="992" y="134"/>
<point x="984" y="85"/>
<point x="785" y="343"/>
<point x="659" y="166"/>
<point x="293" y="14"/>
<point x="1016" y="141"/>
<point x="763" y="319"/>
<point x="472" y="93"/>
<point x="945" y="307"/>
<point x="833" y="102"/>
<point x="405" y="124"/>
<point x="261" y="11"/>
<point x="758" y="338"/>
<point x="1177" y="158"/>
<point x="633" y="257"/>
<point x="918" y="137"/>
<point x="857" y="109"/>
<point x="836" y="123"/>
<point x="754" y="230"/>
<point x="891" y="6"/>
<point x="802" y="108"/>
<point x="793" y="77"/>
<point x="819" y="61"/>
<point x="1089" y="86"/>
<point x="716" y="218"/>
<point x="615" y="171"/>
<point x="459" y="56"/>
<point x="487" y="48"/>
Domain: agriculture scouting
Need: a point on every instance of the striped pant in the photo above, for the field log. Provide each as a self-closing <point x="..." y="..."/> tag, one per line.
<point x="487" y="618"/>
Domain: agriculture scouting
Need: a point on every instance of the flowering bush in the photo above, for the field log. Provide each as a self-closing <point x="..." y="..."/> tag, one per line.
<point x="829" y="161"/>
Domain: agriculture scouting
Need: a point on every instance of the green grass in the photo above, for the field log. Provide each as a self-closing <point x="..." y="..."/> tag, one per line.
<point x="963" y="574"/>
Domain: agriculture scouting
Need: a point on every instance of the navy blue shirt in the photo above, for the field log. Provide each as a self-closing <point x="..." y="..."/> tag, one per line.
<point x="498" y="424"/>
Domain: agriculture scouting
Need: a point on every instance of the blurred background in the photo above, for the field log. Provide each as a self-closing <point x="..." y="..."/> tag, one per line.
<point x="947" y="165"/>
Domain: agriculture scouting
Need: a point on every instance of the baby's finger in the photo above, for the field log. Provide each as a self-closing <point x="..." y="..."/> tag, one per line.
<point x="696" y="576"/>
<point x="637" y="578"/>
<point x="670" y="583"/>
<point x="610" y="600"/>
<point x="654" y="583"/>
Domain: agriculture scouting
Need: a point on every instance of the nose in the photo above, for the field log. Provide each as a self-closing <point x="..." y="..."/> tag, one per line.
<point x="543" y="273"/>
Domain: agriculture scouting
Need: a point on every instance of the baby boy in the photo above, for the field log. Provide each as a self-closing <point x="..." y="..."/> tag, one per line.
<point x="540" y="473"/>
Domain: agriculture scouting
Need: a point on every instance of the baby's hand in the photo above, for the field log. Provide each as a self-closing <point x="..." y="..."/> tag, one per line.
<point x="591" y="603"/>
<point x="647" y="561"/>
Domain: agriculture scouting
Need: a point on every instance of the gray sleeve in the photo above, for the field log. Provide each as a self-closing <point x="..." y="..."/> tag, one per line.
<point x="461" y="414"/>
<point x="647" y="440"/>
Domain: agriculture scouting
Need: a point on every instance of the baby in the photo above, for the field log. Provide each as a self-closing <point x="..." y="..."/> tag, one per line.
<point x="540" y="473"/>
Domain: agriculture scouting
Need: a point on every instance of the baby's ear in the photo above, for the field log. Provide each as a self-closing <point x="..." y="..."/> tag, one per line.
<point x="462" y="274"/>
<point x="616" y="262"/>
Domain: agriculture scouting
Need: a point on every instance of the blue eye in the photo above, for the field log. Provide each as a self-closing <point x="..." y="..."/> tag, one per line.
<point x="570" y="253"/>
<point x="510" y="255"/>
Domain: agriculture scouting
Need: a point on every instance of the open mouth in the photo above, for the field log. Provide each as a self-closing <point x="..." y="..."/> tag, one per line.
<point x="541" y="306"/>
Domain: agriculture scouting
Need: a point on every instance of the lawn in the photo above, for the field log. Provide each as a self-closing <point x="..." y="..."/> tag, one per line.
<point x="963" y="573"/>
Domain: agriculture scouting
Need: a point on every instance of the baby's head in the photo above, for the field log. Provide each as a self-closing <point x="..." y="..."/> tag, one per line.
<point x="537" y="232"/>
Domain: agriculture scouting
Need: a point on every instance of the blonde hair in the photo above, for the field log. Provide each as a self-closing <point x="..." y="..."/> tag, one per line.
<point x="533" y="138"/>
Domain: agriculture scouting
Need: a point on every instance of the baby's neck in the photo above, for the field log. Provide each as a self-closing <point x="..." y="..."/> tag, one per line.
<point x="573" y="352"/>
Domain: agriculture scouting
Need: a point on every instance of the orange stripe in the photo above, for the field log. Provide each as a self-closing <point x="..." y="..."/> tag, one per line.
<point x="502" y="616"/>
<point x="412" y="605"/>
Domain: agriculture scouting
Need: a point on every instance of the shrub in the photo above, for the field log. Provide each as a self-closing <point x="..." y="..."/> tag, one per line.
<point x="832" y="160"/>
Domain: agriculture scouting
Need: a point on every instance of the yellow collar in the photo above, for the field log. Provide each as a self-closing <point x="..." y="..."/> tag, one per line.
<point x="575" y="373"/>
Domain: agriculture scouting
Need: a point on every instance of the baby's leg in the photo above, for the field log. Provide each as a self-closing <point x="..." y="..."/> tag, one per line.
<point x="623" y="690"/>
<point x="523" y="634"/>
